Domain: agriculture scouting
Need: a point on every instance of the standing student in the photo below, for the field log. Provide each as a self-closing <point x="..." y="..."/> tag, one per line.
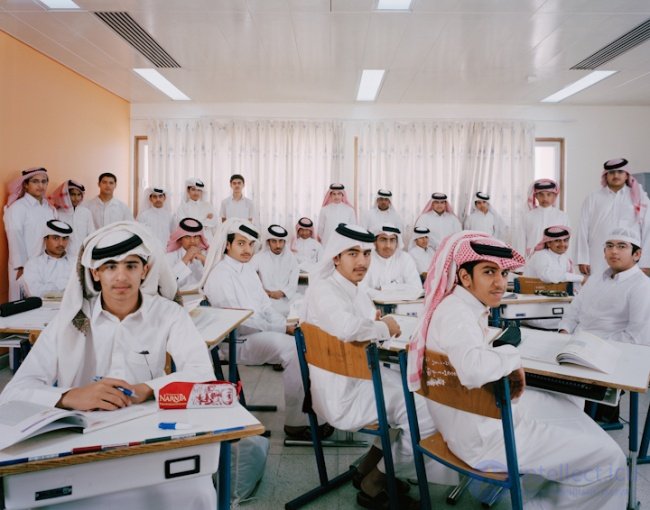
<point x="156" y="214"/>
<point x="186" y="253"/>
<point x="305" y="246"/>
<point x="336" y="304"/>
<point x="105" y="208"/>
<point x="438" y="216"/>
<point x="67" y="200"/>
<point x="575" y="463"/>
<point x="542" y="213"/>
<point x="382" y="212"/>
<point x="195" y="206"/>
<point x="26" y="208"/>
<point x="229" y="281"/>
<point x="117" y="322"/>
<point x="237" y="205"/>
<point x="484" y="218"/>
<point x="277" y="268"/>
<point x="336" y="209"/>
<point x="420" y="250"/>
<point x="620" y="202"/>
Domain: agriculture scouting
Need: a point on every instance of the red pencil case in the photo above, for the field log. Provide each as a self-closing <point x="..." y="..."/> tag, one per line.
<point x="188" y="395"/>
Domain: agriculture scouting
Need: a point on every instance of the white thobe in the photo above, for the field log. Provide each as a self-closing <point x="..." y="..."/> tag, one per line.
<point x="105" y="213"/>
<point x="232" y="284"/>
<point x="308" y="253"/>
<point x="81" y="220"/>
<point x="329" y="218"/>
<point x="535" y="221"/>
<point x="615" y="308"/>
<point x="187" y="275"/>
<point x="47" y="275"/>
<point x="278" y="272"/>
<point x="422" y="258"/>
<point x="487" y="222"/>
<point x="398" y="270"/>
<point x="244" y="209"/>
<point x="602" y="211"/>
<point x="111" y="349"/>
<point x="374" y="219"/>
<point x="439" y="225"/>
<point x="344" y="310"/>
<point x="580" y="465"/>
<point x="24" y="222"/>
<point x="199" y="210"/>
<point x="160" y="221"/>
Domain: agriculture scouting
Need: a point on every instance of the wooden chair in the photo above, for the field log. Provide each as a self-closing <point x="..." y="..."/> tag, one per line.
<point x="528" y="285"/>
<point x="359" y="360"/>
<point x="492" y="401"/>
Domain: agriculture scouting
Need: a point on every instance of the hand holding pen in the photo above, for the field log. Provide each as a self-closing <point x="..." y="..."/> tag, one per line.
<point x="102" y="394"/>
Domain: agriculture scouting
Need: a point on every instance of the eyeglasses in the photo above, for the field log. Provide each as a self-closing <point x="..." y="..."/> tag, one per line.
<point x="618" y="246"/>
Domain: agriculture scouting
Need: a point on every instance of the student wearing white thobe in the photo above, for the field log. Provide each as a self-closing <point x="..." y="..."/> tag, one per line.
<point x="305" y="247"/>
<point x="48" y="273"/>
<point x="336" y="209"/>
<point x="336" y="304"/>
<point x="195" y="206"/>
<point x="67" y="198"/>
<point x="483" y="218"/>
<point x="420" y="250"/>
<point x="156" y="214"/>
<point x="237" y="205"/>
<point x="277" y="268"/>
<point x="391" y="268"/>
<point x="439" y="218"/>
<point x="620" y="202"/>
<point x="186" y="253"/>
<point x="118" y="321"/>
<point x="105" y="208"/>
<point x="26" y="207"/>
<point x="541" y="213"/>
<point x="382" y="213"/>
<point x="230" y="281"/>
<point x="570" y="462"/>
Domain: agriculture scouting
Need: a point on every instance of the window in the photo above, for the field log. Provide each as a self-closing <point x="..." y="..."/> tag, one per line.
<point x="549" y="162"/>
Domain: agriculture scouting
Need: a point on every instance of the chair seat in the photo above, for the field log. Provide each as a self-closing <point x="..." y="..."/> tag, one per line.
<point x="370" y="426"/>
<point x="435" y="444"/>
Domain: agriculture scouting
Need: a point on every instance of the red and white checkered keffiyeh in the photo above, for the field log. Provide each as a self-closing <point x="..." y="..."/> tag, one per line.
<point x="327" y="199"/>
<point x="311" y="229"/>
<point x="636" y="193"/>
<point x="555" y="229"/>
<point x="60" y="198"/>
<point x="15" y="189"/>
<point x="454" y="251"/>
<point x="532" y="204"/>
<point x="429" y="208"/>
<point x="174" y="241"/>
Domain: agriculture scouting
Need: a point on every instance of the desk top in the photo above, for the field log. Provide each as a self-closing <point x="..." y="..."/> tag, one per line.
<point x="525" y="299"/>
<point x="65" y="447"/>
<point x="32" y="320"/>
<point x="215" y="324"/>
<point x="633" y="372"/>
<point x="397" y="296"/>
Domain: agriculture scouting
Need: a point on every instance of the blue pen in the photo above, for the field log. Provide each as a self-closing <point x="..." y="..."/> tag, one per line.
<point x="172" y="425"/>
<point x="126" y="391"/>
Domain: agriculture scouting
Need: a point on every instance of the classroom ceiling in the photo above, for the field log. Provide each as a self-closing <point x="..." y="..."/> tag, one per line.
<point x="313" y="51"/>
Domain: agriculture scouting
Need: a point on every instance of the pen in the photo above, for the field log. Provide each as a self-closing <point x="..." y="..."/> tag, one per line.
<point x="172" y="425"/>
<point x="126" y="391"/>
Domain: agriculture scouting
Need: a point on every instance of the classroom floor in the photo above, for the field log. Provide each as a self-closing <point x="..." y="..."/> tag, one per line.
<point x="291" y="471"/>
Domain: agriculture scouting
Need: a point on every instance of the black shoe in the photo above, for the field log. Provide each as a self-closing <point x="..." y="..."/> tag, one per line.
<point x="402" y="486"/>
<point x="304" y="433"/>
<point x="277" y="367"/>
<point x="381" y="501"/>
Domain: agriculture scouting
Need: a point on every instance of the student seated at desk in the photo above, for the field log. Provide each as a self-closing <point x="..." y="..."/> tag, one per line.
<point x="569" y="461"/>
<point x="229" y="281"/>
<point x="50" y="270"/>
<point x="306" y="248"/>
<point x="420" y="250"/>
<point x="391" y="268"/>
<point x="336" y="304"/>
<point x="277" y="268"/>
<point x="186" y="252"/>
<point x="117" y="321"/>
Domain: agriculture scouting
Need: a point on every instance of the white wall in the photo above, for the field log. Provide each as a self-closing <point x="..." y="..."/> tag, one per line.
<point x="592" y="134"/>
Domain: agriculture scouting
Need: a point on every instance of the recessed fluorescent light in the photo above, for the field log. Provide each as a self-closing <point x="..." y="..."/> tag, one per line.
<point x="161" y="83"/>
<point x="370" y="83"/>
<point x="60" y="4"/>
<point x="393" y="5"/>
<point x="577" y="86"/>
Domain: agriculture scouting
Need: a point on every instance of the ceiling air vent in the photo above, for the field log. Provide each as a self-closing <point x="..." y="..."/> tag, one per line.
<point x="129" y="30"/>
<point x="626" y="42"/>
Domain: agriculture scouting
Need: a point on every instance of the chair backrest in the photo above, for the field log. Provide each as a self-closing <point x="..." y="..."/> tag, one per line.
<point x="327" y="352"/>
<point x="528" y="285"/>
<point x="441" y="384"/>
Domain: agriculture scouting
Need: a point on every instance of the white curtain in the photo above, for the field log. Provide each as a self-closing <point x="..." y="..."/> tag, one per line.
<point x="459" y="158"/>
<point x="287" y="164"/>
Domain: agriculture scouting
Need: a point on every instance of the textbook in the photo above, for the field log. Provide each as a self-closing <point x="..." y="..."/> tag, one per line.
<point x="21" y="420"/>
<point x="590" y="351"/>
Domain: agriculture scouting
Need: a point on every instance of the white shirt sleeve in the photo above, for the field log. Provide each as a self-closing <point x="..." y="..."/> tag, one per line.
<point x="14" y="219"/>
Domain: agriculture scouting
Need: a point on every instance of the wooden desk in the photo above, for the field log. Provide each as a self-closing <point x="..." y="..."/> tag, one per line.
<point x="53" y="460"/>
<point x="633" y="374"/>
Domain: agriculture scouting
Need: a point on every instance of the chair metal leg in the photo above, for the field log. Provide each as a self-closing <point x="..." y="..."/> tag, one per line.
<point x="457" y="492"/>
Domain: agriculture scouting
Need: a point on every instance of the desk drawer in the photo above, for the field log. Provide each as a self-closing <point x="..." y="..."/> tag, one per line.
<point x="69" y="483"/>
<point x="533" y="310"/>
